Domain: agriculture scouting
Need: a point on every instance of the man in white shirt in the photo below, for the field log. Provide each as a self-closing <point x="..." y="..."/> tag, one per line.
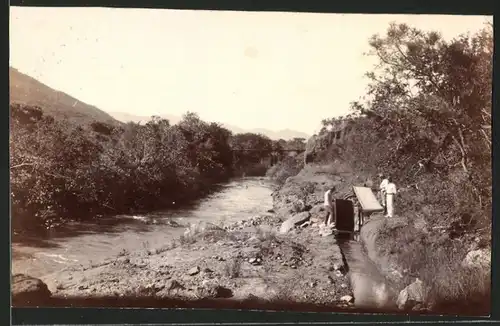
<point x="382" y="189"/>
<point x="390" y="193"/>
<point x="330" y="208"/>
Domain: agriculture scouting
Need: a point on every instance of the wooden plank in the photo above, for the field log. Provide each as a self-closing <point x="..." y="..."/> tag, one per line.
<point x="367" y="200"/>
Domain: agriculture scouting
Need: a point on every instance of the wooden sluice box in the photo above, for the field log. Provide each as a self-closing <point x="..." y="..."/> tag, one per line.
<point x="352" y="210"/>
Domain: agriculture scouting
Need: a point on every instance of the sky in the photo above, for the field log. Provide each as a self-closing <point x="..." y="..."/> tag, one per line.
<point x="249" y="69"/>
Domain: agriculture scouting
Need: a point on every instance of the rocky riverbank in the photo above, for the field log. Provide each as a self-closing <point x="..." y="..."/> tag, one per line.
<point x="283" y="256"/>
<point x="246" y="260"/>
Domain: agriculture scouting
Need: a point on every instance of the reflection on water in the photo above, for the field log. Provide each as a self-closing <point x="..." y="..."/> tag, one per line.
<point x="370" y="287"/>
<point x="96" y="240"/>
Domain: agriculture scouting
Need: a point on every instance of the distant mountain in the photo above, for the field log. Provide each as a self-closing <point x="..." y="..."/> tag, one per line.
<point x="285" y="134"/>
<point x="126" y="117"/>
<point x="27" y="90"/>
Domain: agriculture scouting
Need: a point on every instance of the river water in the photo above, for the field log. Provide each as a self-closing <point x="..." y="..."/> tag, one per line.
<point x="370" y="288"/>
<point x="87" y="242"/>
<point x="82" y="243"/>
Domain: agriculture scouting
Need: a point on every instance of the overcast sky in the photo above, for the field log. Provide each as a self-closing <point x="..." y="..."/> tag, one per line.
<point x="252" y="70"/>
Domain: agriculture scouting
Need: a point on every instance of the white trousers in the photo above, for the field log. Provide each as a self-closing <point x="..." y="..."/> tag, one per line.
<point x="390" y="205"/>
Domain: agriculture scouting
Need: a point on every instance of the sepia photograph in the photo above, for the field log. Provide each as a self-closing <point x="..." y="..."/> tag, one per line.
<point x="278" y="161"/>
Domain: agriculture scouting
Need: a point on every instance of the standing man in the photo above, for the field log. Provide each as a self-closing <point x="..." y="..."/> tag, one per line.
<point x="330" y="208"/>
<point x="390" y="193"/>
<point x="382" y="189"/>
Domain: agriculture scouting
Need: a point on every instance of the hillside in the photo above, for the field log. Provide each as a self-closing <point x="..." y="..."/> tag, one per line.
<point x="29" y="91"/>
<point x="285" y="134"/>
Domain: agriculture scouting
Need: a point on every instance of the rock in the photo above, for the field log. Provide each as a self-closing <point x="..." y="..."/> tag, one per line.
<point x="193" y="271"/>
<point x="314" y="145"/>
<point x="317" y="209"/>
<point x="200" y="227"/>
<point x="215" y="291"/>
<point x="290" y="223"/>
<point x="171" y="288"/>
<point x="174" y="285"/>
<point x="252" y="260"/>
<point x="305" y="224"/>
<point x="27" y="288"/>
<point x="410" y="296"/>
<point x="316" y="220"/>
<point x="480" y="258"/>
<point x="253" y="240"/>
<point x="338" y="273"/>
<point x="347" y="298"/>
<point x="338" y="266"/>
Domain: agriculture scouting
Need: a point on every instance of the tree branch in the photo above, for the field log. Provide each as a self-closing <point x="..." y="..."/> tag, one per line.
<point x="21" y="165"/>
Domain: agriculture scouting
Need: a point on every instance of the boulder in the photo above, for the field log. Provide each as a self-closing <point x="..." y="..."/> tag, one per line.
<point x="477" y="259"/>
<point x="314" y="145"/>
<point x="297" y="219"/>
<point x="217" y="291"/>
<point x="193" y="271"/>
<point x="317" y="209"/>
<point x="172" y="288"/>
<point x="411" y="296"/>
<point x="347" y="298"/>
<point x="29" y="289"/>
<point x="201" y="227"/>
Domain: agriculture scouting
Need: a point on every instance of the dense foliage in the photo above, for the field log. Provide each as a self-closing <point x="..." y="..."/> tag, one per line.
<point x="427" y="123"/>
<point x="428" y="120"/>
<point x="59" y="170"/>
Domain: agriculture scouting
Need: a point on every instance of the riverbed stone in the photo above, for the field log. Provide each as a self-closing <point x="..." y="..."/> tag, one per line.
<point x="290" y="223"/>
<point x="347" y="298"/>
<point x="193" y="271"/>
<point x="27" y="288"/>
<point x="410" y="296"/>
<point x="317" y="209"/>
<point x="210" y="290"/>
<point x="201" y="227"/>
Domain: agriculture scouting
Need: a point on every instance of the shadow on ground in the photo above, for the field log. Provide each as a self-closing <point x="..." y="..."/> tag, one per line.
<point x="249" y="304"/>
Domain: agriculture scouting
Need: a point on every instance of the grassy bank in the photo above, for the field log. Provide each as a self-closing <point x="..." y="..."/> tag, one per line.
<point x="437" y="260"/>
<point x="406" y="246"/>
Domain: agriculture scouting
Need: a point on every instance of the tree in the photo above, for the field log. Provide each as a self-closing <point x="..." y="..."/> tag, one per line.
<point x="429" y="91"/>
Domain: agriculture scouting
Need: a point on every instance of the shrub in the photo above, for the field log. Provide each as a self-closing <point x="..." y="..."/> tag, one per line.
<point x="59" y="170"/>
<point x="289" y="167"/>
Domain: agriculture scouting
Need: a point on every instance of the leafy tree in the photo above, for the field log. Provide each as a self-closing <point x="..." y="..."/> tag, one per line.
<point x="434" y="97"/>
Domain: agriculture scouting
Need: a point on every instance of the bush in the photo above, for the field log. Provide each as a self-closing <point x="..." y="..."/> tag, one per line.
<point x="427" y="124"/>
<point x="436" y="260"/>
<point x="290" y="166"/>
<point x="60" y="171"/>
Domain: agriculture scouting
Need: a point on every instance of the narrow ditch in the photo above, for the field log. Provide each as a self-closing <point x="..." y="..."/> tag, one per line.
<point x="369" y="287"/>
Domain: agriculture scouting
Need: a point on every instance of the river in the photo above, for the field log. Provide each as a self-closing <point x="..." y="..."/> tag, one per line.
<point x="85" y="242"/>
